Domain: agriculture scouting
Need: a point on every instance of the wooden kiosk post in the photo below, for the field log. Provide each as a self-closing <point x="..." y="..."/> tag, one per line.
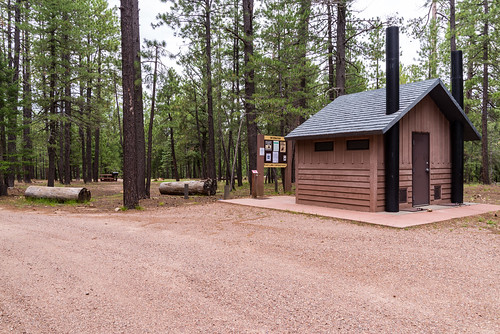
<point x="288" y="169"/>
<point x="273" y="152"/>
<point x="260" y="165"/>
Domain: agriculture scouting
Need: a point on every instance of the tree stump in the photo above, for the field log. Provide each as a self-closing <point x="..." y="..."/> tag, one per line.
<point x="60" y="194"/>
<point x="202" y="187"/>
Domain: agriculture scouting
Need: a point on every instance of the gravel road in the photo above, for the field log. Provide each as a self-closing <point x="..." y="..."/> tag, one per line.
<point x="219" y="268"/>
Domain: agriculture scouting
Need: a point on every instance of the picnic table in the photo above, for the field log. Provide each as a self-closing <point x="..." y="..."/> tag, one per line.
<point x="113" y="177"/>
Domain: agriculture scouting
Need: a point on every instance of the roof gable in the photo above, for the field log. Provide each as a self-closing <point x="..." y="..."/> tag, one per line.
<point x="364" y="113"/>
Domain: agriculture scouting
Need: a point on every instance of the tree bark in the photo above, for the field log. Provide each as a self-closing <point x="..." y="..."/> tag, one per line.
<point x="3" y="184"/>
<point x="239" y="168"/>
<point x="202" y="187"/>
<point x="60" y="166"/>
<point x="130" y="195"/>
<point x="484" y="116"/>
<point x="331" y="69"/>
<point x="433" y="41"/>
<point x="58" y="193"/>
<point x="88" y="130"/>
<point x="140" y="140"/>
<point x="97" y="137"/>
<point x="210" y="110"/>
<point x="453" y="42"/>
<point x="468" y="92"/>
<point x="150" y="127"/>
<point x="67" y="111"/>
<point x="304" y="11"/>
<point x="12" y="118"/>
<point x="251" y="115"/>
<point x="198" y="133"/>
<point x="27" y="108"/>
<point x="51" y="148"/>
<point x="118" y="114"/>
<point x="340" y="61"/>
<point x="175" y="171"/>
<point x="88" y="140"/>
<point x="97" y="131"/>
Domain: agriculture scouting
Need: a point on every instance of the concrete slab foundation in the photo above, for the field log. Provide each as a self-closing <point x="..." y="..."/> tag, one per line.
<point x="402" y="219"/>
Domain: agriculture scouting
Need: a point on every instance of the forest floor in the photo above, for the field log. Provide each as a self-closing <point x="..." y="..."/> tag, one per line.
<point x="108" y="196"/>
<point x="198" y="265"/>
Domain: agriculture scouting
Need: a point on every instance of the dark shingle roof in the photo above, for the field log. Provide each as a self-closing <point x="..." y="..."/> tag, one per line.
<point x="364" y="113"/>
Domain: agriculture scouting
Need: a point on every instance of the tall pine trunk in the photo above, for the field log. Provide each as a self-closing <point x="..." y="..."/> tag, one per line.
<point x="3" y="144"/>
<point x="81" y="129"/>
<point x="140" y="139"/>
<point x="175" y="171"/>
<point x="198" y="133"/>
<point x="60" y="165"/>
<point x="130" y="194"/>
<point x="97" y="138"/>
<point x="210" y="108"/>
<point x="150" y="127"/>
<point x="304" y="11"/>
<point x="453" y="39"/>
<point x="484" y="116"/>
<point x="340" y="61"/>
<point x="97" y="132"/>
<point x="118" y="113"/>
<point x="251" y="115"/>
<point x="88" y="136"/>
<point x="67" y="114"/>
<point x="433" y="41"/>
<point x="27" y="108"/>
<point x="331" y="69"/>
<point x="52" y="127"/>
<point x="12" y="117"/>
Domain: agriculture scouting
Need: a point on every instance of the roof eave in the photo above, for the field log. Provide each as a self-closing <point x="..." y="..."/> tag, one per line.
<point x="334" y="135"/>
<point x="470" y="132"/>
<point x="416" y="101"/>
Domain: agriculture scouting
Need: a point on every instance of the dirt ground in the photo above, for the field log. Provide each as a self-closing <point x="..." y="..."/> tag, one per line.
<point x="108" y="196"/>
<point x="187" y="266"/>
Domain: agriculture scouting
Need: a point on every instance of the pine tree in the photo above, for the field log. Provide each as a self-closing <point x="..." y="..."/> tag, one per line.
<point x="129" y="15"/>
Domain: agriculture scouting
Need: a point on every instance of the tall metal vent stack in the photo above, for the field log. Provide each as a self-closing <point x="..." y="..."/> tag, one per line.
<point x="457" y="130"/>
<point x="391" y="137"/>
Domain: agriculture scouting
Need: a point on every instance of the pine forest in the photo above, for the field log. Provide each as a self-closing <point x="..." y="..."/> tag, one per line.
<point x="82" y="93"/>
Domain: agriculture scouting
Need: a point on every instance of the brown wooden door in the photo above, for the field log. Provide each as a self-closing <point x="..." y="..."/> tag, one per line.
<point x="421" y="168"/>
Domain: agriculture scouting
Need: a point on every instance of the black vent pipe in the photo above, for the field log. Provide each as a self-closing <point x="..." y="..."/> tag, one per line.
<point x="457" y="77"/>
<point x="392" y="70"/>
<point x="457" y="130"/>
<point x="391" y="137"/>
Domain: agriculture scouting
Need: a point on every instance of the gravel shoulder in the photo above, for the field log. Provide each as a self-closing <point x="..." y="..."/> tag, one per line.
<point x="222" y="268"/>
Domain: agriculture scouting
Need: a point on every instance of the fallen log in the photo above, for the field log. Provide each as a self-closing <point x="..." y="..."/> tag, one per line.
<point x="201" y="187"/>
<point x="60" y="194"/>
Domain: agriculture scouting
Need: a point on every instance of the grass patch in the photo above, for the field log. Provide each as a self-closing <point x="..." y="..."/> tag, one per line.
<point x="244" y="190"/>
<point x="50" y="202"/>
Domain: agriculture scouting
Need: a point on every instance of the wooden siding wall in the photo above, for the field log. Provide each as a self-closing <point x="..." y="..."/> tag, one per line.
<point x="338" y="178"/>
<point x="425" y="117"/>
<point x="355" y="179"/>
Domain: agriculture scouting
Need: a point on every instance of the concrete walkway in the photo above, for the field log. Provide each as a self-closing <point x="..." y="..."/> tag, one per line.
<point x="401" y="219"/>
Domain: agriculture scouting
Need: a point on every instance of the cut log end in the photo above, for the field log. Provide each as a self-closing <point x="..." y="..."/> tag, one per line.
<point x="60" y="194"/>
<point x="202" y="187"/>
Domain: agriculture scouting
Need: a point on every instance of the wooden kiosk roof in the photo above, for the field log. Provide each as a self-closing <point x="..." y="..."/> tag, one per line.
<point x="364" y="113"/>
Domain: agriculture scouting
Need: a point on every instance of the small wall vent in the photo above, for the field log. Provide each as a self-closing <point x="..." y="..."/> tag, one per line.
<point x="437" y="192"/>
<point x="403" y="195"/>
